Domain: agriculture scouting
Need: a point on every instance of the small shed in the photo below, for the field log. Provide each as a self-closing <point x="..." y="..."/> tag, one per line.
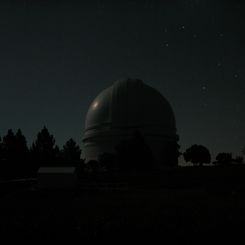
<point x="56" y="177"/>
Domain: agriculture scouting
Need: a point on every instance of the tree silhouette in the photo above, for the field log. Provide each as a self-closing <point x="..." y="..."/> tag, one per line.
<point x="71" y="153"/>
<point x="133" y="153"/>
<point x="243" y="151"/>
<point x="21" y="146"/>
<point x="238" y="160"/>
<point x="23" y="165"/>
<point x="1" y="150"/>
<point x="9" y="146"/>
<point x="224" y="158"/>
<point x="197" y="154"/>
<point x="57" y="155"/>
<point x="15" y="154"/>
<point x="8" y="170"/>
<point x="43" y="150"/>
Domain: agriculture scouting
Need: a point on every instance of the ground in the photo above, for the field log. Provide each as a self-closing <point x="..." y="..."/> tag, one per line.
<point x="183" y="213"/>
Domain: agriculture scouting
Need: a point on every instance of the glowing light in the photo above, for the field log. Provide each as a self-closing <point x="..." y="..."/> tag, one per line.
<point x="204" y="88"/>
<point x="95" y="105"/>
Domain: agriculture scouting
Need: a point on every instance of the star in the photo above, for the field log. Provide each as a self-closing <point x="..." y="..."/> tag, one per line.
<point x="205" y="105"/>
<point x="165" y="44"/>
<point x="204" y="88"/>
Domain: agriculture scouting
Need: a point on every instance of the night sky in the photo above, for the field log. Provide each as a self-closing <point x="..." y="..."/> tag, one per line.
<point x="56" y="56"/>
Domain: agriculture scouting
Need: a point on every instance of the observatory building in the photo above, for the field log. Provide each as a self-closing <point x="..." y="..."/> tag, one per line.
<point x="125" y="107"/>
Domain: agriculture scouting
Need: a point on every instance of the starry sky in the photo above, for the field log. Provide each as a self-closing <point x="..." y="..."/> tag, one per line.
<point x="56" y="56"/>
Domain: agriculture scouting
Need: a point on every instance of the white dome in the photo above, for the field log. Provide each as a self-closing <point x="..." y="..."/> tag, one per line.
<point x="126" y="106"/>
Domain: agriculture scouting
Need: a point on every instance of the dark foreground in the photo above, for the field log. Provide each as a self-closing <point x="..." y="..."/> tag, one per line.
<point x="187" y="212"/>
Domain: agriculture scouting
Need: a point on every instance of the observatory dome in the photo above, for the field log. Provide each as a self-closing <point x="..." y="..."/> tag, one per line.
<point x="126" y="106"/>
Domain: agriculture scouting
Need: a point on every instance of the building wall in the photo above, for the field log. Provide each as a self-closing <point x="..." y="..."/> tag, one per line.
<point x="161" y="148"/>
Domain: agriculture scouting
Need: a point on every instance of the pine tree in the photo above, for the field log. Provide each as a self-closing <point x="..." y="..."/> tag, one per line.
<point x="1" y="149"/>
<point x="21" y="146"/>
<point x="71" y="152"/>
<point x="43" y="150"/>
<point x="9" y="146"/>
<point x="15" y="155"/>
<point x="243" y="151"/>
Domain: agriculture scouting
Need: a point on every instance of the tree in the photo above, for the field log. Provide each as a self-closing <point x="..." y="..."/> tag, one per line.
<point x="1" y="150"/>
<point x="21" y="146"/>
<point x="134" y="153"/>
<point x="197" y="154"/>
<point x="243" y="151"/>
<point x="71" y="152"/>
<point x="15" y="154"/>
<point x="224" y="158"/>
<point x="8" y="168"/>
<point x="238" y="160"/>
<point x="43" y="150"/>
<point x="15" y="145"/>
<point x="9" y="146"/>
<point x="23" y="166"/>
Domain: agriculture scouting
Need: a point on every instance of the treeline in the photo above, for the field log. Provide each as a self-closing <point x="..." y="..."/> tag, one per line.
<point x="199" y="155"/>
<point x="19" y="160"/>
<point x="135" y="154"/>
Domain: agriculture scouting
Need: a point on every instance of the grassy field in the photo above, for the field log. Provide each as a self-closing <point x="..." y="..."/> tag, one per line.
<point x="175" y="206"/>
